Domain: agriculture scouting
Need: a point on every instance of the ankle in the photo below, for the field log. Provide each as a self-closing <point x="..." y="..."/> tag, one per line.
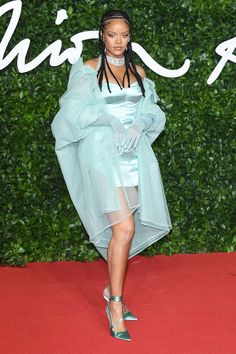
<point x="115" y="305"/>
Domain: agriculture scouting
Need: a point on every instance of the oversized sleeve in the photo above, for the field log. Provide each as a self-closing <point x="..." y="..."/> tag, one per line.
<point x="149" y="108"/>
<point x="79" y="107"/>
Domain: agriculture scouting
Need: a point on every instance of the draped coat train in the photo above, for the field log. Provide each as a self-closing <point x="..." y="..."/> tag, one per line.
<point x="88" y="159"/>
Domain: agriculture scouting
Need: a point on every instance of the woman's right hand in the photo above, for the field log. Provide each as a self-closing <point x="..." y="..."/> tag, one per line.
<point x="119" y="134"/>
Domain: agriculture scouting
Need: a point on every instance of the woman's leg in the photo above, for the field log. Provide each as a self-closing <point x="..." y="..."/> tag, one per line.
<point x="117" y="257"/>
<point x="118" y="251"/>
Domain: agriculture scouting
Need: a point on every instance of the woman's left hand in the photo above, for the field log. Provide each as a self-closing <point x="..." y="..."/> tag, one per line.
<point x="132" y="136"/>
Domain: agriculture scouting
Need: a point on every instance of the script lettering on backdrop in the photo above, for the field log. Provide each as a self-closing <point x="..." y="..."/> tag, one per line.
<point x="225" y="49"/>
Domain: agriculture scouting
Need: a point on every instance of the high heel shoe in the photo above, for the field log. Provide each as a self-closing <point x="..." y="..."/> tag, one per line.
<point x="126" y="313"/>
<point x="124" y="335"/>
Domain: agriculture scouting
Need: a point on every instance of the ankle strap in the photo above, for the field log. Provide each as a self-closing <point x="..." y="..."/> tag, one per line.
<point x="115" y="298"/>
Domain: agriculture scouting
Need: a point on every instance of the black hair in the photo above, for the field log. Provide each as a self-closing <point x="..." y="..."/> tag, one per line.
<point x="128" y="53"/>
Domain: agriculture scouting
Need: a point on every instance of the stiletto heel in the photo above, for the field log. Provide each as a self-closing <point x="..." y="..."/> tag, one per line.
<point x="124" y="335"/>
<point x="126" y="313"/>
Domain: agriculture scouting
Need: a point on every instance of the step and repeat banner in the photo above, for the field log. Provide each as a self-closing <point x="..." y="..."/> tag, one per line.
<point x="187" y="48"/>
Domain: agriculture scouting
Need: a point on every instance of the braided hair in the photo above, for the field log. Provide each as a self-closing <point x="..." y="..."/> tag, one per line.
<point x="128" y="53"/>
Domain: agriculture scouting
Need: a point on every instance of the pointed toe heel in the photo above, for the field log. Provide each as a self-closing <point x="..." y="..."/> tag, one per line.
<point x="124" y="335"/>
<point x="128" y="315"/>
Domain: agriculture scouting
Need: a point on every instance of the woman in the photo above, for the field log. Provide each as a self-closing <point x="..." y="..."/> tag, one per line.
<point x="107" y="121"/>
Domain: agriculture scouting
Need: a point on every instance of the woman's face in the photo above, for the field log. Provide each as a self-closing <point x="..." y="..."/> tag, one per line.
<point x="116" y="36"/>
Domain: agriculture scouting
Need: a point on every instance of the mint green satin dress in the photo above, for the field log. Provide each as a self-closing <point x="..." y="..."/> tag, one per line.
<point x="101" y="182"/>
<point x="123" y="105"/>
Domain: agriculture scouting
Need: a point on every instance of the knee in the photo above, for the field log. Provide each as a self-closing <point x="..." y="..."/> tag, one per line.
<point x="125" y="233"/>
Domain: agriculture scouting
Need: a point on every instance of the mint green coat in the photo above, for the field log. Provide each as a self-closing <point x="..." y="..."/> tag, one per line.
<point x="88" y="158"/>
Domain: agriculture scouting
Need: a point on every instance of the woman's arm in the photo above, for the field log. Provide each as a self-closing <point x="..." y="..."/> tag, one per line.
<point x="81" y="108"/>
<point x="149" y="109"/>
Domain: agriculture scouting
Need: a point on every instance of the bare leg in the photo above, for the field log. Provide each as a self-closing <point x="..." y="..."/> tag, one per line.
<point x="121" y="215"/>
<point x="118" y="251"/>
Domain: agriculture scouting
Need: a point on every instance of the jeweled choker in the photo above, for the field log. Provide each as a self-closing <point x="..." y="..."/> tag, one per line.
<point x="115" y="61"/>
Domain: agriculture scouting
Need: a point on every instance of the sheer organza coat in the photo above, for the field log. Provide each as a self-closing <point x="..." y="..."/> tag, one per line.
<point x="88" y="160"/>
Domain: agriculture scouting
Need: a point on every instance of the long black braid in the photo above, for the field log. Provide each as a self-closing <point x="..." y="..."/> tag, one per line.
<point x="128" y="53"/>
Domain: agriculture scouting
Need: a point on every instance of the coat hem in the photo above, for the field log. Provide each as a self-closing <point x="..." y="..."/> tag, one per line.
<point x="142" y="246"/>
<point x="116" y="222"/>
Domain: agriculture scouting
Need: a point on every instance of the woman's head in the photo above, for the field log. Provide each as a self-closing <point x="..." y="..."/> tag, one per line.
<point x="115" y="40"/>
<point x="115" y="33"/>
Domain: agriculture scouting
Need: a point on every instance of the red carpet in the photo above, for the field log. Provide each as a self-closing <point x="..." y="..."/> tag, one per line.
<point x="185" y="304"/>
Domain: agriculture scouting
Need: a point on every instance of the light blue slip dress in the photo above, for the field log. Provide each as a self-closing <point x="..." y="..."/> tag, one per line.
<point x="101" y="182"/>
<point x="122" y="103"/>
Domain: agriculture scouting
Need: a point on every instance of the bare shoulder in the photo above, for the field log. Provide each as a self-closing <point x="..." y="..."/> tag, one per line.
<point x="92" y="63"/>
<point x="141" y="70"/>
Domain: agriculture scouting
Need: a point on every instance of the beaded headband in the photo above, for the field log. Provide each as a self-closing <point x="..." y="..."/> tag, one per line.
<point x="115" y="16"/>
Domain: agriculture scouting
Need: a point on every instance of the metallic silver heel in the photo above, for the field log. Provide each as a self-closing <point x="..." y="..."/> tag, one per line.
<point x="124" y="335"/>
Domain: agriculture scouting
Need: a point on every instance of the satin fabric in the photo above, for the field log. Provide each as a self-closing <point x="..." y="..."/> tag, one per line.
<point x="90" y="163"/>
<point x="122" y="103"/>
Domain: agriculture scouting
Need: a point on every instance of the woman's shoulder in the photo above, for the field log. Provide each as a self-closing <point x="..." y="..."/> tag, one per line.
<point x="92" y="63"/>
<point x="141" y="70"/>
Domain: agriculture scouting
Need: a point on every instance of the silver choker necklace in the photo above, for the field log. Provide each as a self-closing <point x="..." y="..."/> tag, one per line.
<point x="115" y="61"/>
